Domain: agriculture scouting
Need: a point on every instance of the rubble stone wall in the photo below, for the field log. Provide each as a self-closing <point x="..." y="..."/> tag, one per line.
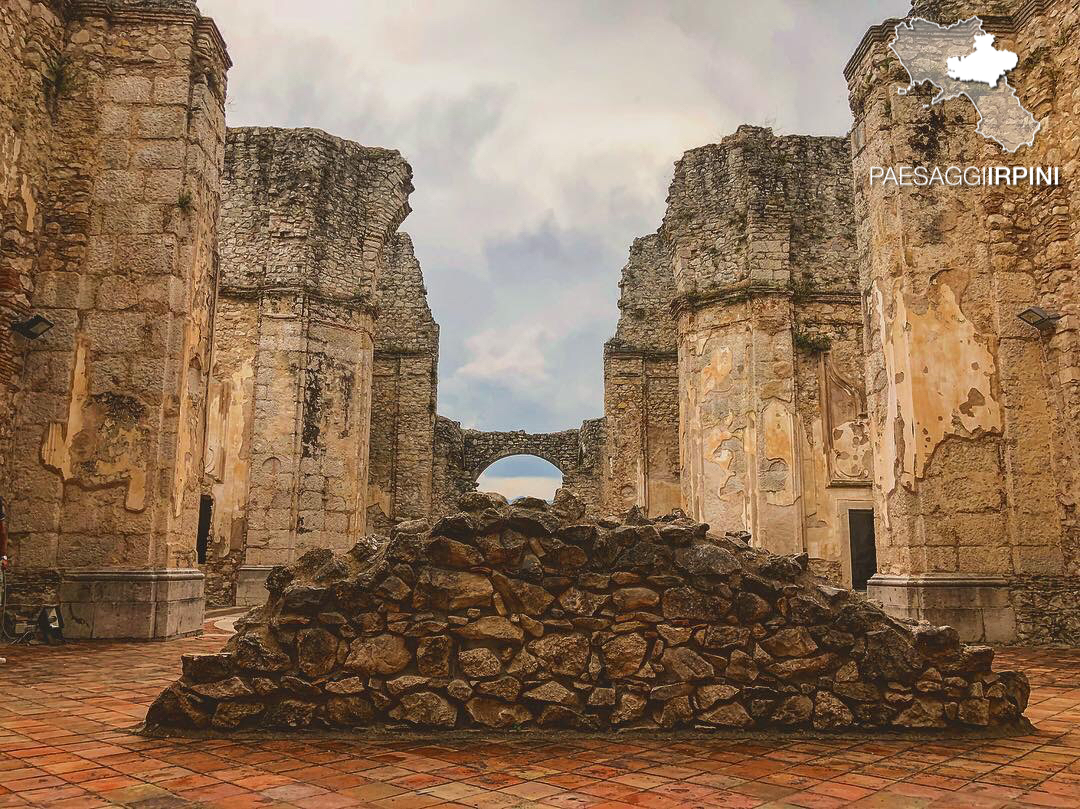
<point x="404" y="385"/>
<point x="111" y="160"/>
<point x="972" y="411"/>
<point x="759" y="230"/>
<point x="640" y="464"/>
<point x="307" y="219"/>
<point x="531" y="616"/>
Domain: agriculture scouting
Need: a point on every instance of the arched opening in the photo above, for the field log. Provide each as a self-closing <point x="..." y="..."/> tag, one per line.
<point x="521" y="476"/>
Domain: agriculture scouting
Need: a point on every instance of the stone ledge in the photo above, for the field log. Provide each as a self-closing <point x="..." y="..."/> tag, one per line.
<point x="978" y="606"/>
<point x="131" y="604"/>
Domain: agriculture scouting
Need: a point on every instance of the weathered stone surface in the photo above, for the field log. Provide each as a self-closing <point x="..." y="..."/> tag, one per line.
<point x="495" y="714"/>
<point x="428" y="709"/>
<point x="316" y="652"/>
<point x="491" y="627"/>
<point x="686" y="664"/>
<point x="433" y="656"/>
<point x="624" y="654"/>
<point x="452" y="589"/>
<point x="562" y="654"/>
<point x="381" y="654"/>
<point x="479" y="663"/>
<point x="594" y="656"/>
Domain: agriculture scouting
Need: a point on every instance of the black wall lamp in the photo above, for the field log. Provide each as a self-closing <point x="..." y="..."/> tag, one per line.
<point x="1038" y="317"/>
<point x="33" y="327"/>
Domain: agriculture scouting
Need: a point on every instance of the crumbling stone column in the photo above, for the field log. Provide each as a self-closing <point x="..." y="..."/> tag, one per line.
<point x="116" y="152"/>
<point x="306" y="221"/>
<point x="404" y="386"/>
<point x="973" y="412"/>
<point x="641" y="398"/>
<point x="759" y="232"/>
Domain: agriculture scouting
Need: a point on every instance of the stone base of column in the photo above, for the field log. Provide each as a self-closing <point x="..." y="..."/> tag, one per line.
<point x="251" y="585"/>
<point x="131" y="604"/>
<point x="976" y="606"/>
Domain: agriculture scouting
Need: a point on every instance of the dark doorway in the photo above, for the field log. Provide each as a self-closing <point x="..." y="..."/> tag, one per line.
<point x="206" y="511"/>
<point x="863" y="550"/>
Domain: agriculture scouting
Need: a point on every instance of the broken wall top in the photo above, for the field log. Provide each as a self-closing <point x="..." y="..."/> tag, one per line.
<point x="758" y="210"/>
<point x="306" y="211"/>
<point x="405" y="323"/>
<point x="646" y="290"/>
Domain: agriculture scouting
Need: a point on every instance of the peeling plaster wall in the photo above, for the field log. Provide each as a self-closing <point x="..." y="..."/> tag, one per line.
<point x="306" y="223"/>
<point x="973" y="412"/>
<point x="31" y="35"/>
<point x="760" y="239"/>
<point x="108" y="420"/>
<point x="640" y="463"/>
<point x="404" y="387"/>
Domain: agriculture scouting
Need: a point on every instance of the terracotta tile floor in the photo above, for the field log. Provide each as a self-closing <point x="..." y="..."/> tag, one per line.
<point x="67" y="712"/>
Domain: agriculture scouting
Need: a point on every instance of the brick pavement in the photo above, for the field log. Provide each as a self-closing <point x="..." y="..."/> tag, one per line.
<point x="67" y="713"/>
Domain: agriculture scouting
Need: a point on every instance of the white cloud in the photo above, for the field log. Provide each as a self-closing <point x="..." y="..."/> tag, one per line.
<point x="542" y="135"/>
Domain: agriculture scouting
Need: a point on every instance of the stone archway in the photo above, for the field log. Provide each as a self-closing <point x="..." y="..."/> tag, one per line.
<point x="562" y="449"/>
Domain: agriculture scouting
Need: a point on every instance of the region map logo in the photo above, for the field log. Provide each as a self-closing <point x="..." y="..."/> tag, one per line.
<point x="961" y="60"/>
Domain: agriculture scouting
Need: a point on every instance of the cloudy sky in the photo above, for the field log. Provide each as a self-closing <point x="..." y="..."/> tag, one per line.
<point x="542" y="136"/>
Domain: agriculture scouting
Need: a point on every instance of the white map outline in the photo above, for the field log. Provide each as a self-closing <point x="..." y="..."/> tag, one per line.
<point x="909" y="25"/>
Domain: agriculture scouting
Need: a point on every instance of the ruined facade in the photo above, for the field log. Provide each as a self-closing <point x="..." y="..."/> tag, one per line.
<point x="973" y="412"/>
<point x="761" y="244"/>
<point x="243" y="364"/>
<point x="404" y="381"/>
<point x="306" y="225"/>
<point x="640" y="464"/>
<point x="111" y="138"/>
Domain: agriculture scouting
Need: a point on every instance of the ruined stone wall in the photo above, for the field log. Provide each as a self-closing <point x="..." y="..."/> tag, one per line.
<point x="973" y="412"/>
<point x="118" y="248"/>
<point x="404" y="383"/>
<point x="450" y="479"/>
<point x="531" y="615"/>
<point x="306" y="220"/>
<point x="31" y="36"/>
<point x="461" y="456"/>
<point x="759" y="230"/>
<point x="641" y="400"/>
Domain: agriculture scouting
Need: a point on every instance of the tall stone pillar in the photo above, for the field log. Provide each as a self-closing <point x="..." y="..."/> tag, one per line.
<point x="306" y="222"/>
<point x="640" y="461"/>
<point x="404" y="388"/>
<point x="108" y="415"/>
<point x="973" y="411"/>
<point x="761" y="245"/>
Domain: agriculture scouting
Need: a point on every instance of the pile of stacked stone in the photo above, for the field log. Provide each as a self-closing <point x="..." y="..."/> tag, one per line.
<point x="526" y="615"/>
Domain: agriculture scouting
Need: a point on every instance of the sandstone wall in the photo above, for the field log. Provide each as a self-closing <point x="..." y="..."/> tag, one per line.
<point x="306" y="223"/>
<point x="640" y="463"/>
<point x="111" y="151"/>
<point x="31" y="37"/>
<point x="530" y="616"/>
<point x="972" y="411"/>
<point x="404" y="386"/>
<point x="759" y="230"/>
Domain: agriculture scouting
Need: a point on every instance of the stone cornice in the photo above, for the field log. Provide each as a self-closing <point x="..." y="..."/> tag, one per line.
<point x="742" y="292"/>
<point x="256" y="292"/>
<point x="112" y="11"/>
<point x="612" y="348"/>
<point x="999" y="24"/>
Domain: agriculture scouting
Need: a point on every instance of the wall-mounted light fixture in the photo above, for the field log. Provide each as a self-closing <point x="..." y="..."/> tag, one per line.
<point x="1038" y="317"/>
<point x="33" y="327"/>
